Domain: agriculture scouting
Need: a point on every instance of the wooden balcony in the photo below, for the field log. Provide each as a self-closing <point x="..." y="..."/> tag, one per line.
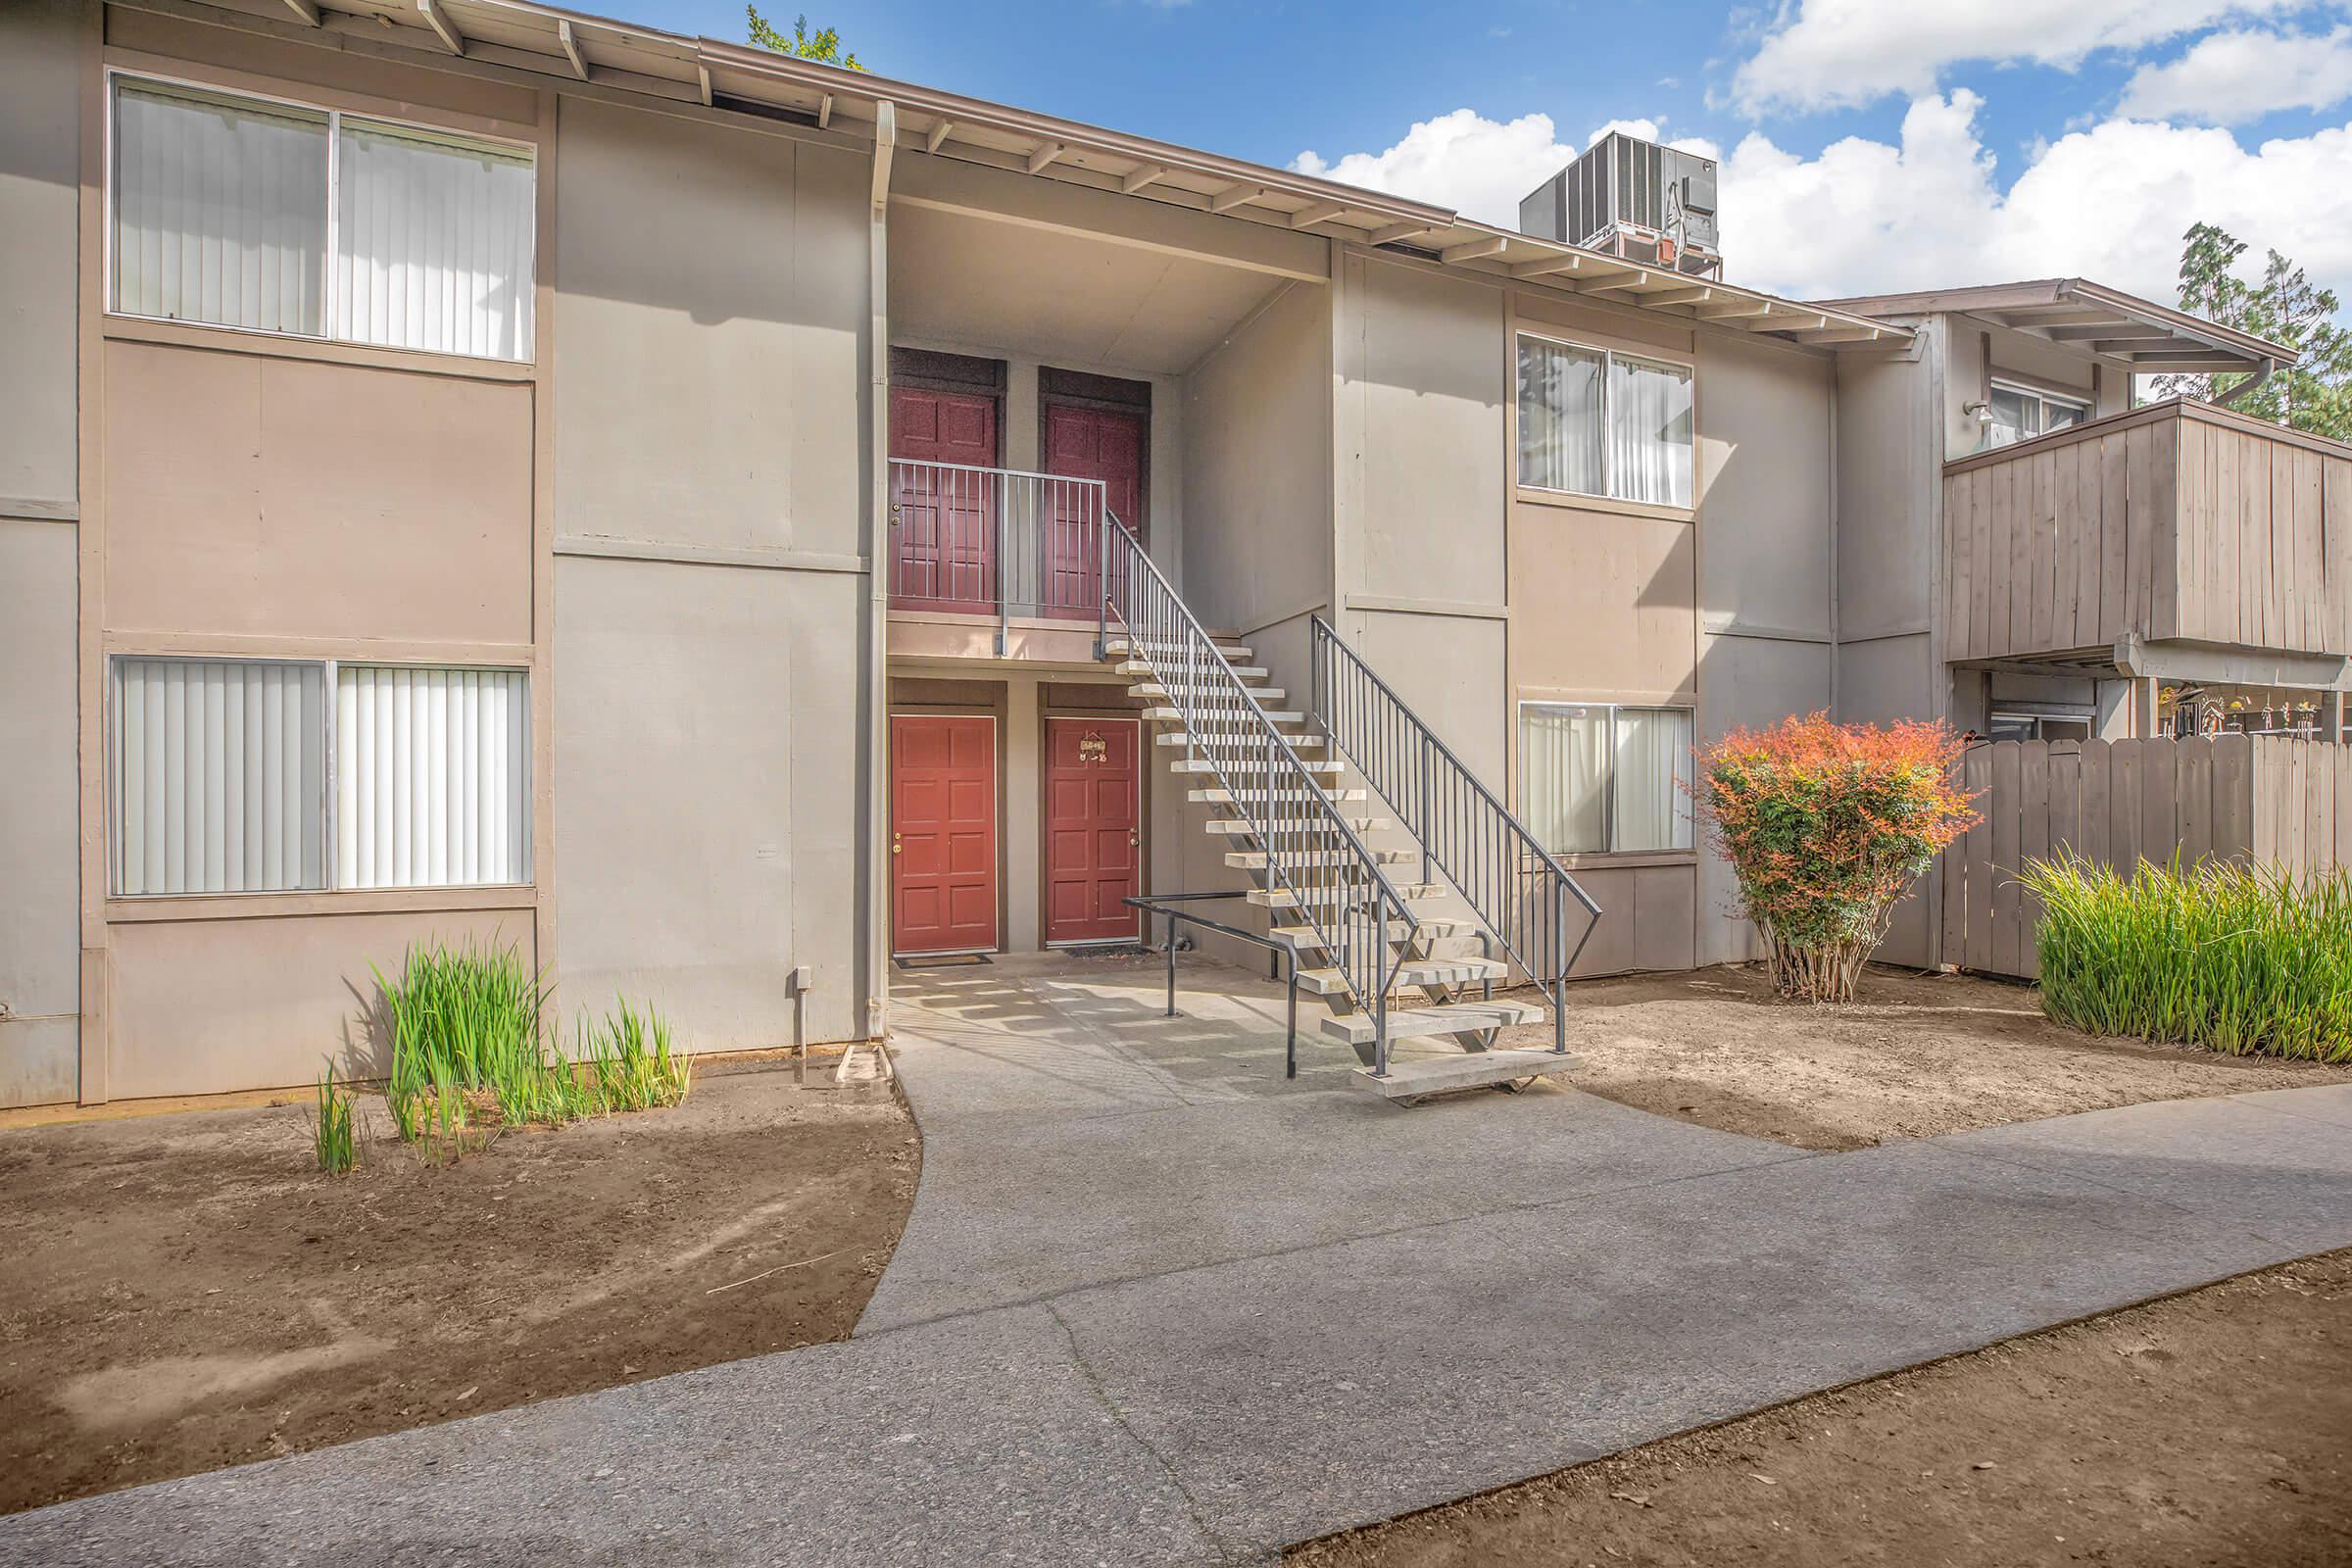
<point x="2179" y="523"/>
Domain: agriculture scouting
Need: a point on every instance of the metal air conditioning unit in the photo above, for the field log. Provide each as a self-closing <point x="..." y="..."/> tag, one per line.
<point x="1633" y="199"/>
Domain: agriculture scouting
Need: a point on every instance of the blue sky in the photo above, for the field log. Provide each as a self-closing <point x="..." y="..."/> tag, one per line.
<point x="1868" y="144"/>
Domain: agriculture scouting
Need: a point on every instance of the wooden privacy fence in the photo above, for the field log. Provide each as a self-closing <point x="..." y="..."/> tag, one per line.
<point x="2247" y="797"/>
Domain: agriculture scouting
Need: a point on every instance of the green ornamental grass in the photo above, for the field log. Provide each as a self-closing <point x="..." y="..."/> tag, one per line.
<point x="472" y="1051"/>
<point x="333" y="1134"/>
<point x="2244" y="960"/>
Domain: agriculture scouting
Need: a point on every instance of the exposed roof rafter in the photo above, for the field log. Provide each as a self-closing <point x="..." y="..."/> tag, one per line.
<point x="308" y="12"/>
<point x="570" y="40"/>
<point x="1231" y="196"/>
<point x="443" y="28"/>
<point x="939" y="134"/>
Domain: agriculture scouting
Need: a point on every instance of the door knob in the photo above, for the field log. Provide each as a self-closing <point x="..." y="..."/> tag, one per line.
<point x="1134" y="841"/>
<point x="895" y="846"/>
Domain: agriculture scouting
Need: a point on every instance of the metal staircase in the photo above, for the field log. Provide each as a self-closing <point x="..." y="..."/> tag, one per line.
<point x="1355" y="936"/>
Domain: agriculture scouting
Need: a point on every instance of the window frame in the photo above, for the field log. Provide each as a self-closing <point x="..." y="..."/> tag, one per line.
<point x="1609" y="356"/>
<point x="330" y="836"/>
<point x="2045" y="400"/>
<point x="1609" y="788"/>
<point x="329" y="291"/>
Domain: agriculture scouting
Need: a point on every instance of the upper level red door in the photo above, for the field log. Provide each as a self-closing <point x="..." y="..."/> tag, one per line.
<point x="943" y="515"/>
<point x="943" y="833"/>
<point x="1091" y="443"/>
<point x="1094" y="838"/>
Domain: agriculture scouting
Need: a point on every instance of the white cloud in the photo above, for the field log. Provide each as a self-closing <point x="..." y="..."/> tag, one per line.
<point x="2229" y="77"/>
<point x="2109" y="202"/>
<point x="1829" y="54"/>
<point x="1477" y="166"/>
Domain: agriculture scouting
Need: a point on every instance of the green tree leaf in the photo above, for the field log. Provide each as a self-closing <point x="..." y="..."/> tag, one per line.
<point x="2286" y="307"/>
<point x="822" y="46"/>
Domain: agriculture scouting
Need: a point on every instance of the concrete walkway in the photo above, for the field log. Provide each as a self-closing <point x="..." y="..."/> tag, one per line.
<point x="1155" y="1304"/>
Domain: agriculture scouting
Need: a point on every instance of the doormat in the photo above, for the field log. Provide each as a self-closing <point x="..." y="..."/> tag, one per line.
<point x="942" y="961"/>
<point x="1107" y="949"/>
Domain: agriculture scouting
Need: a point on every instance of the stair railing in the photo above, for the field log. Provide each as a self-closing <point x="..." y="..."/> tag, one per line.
<point x="1338" y="889"/>
<point x="1518" y="888"/>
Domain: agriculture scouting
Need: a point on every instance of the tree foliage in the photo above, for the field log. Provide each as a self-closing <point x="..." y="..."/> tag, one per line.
<point x="2286" y="308"/>
<point x="822" y="45"/>
<point x="1826" y="826"/>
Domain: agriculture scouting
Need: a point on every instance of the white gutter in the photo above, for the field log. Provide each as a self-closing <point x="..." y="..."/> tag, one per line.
<point x="877" y="656"/>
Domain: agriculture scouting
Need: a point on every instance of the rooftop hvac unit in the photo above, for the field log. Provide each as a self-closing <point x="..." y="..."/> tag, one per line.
<point x="1633" y="199"/>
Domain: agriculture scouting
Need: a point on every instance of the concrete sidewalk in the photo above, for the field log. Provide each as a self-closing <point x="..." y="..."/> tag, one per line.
<point x="1155" y="1304"/>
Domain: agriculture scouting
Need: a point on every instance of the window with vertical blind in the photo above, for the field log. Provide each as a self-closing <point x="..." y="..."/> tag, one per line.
<point x="1593" y="421"/>
<point x="233" y="210"/>
<point x="260" y="776"/>
<point x="1597" y="777"/>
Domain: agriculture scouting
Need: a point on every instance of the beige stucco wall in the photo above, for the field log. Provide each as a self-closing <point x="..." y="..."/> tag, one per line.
<point x="39" y="882"/>
<point x="285" y="498"/>
<point x="1256" y="465"/>
<point x="710" y="475"/>
<point x="711" y="293"/>
<point x="39" y="167"/>
<point x="204" y="1004"/>
<point x="1766" y="545"/>
<point x="39" y="872"/>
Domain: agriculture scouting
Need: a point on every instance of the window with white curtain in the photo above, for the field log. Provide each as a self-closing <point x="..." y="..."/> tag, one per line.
<point x="280" y="217"/>
<point x="1592" y="422"/>
<point x="2022" y="412"/>
<point x="432" y="777"/>
<point x="1598" y="777"/>
<point x="243" y="776"/>
<point x="219" y="776"/>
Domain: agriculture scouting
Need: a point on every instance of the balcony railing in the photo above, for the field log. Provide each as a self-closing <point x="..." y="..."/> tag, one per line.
<point x="1001" y="543"/>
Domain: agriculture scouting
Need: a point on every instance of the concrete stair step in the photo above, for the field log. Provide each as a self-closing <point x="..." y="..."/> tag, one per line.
<point x="1420" y="1023"/>
<point x="1234" y="737"/>
<point x="1219" y="795"/>
<point x="1431" y="927"/>
<point x="1320" y="898"/>
<point x="1237" y="826"/>
<point x="1250" y="764"/>
<point x="1240" y="826"/>
<point x="1132" y="667"/>
<point x="1410" y="1079"/>
<point x="1255" y="859"/>
<point x="1149" y="690"/>
<point x="1117" y="643"/>
<point x="1413" y="972"/>
<point x="1274" y="716"/>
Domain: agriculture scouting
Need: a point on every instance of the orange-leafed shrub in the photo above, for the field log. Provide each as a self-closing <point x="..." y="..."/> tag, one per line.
<point x="1826" y="825"/>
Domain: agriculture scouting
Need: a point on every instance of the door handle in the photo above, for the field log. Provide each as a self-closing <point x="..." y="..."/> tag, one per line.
<point x="1134" y="839"/>
<point x="895" y="845"/>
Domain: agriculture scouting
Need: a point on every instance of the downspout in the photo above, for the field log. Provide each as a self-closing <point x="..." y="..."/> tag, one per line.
<point x="2246" y="386"/>
<point x="877" y="674"/>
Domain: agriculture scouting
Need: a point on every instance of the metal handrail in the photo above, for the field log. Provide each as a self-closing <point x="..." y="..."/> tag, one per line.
<point x="1335" y="886"/>
<point x="996" y="542"/>
<point x="1516" y="886"/>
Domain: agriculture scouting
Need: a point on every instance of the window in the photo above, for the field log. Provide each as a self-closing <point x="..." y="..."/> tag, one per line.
<point x="2020" y="414"/>
<point x="240" y="776"/>
<point x="432" y="777"/>
<point x="2016" y="726"/>
<point x="277" y="217"/>
<point x="1601" y="424"/>
<point x="1599" y="777"/>
<point x="219" y="776"/>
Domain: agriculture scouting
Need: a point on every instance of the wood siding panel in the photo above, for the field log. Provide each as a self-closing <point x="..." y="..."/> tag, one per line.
<point x="2178" y="522"/>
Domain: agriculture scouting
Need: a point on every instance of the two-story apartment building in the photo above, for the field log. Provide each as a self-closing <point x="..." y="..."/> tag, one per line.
<point x="476" y="472"/>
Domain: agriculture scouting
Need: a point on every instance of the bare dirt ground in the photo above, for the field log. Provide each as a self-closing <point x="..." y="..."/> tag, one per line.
<point x="188" y="1292"/>
<point x="2214" y="1429"/>
<point x="1915" y="1056"/>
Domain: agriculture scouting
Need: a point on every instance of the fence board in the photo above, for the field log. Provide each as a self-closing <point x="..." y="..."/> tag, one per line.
<point x="2192" y="801"/>
<point x="2041" y="519"/>
<point x="2114" y="602"/>
<point x="2032" y="843"/>
<point x="2006" y="954"/>
<point x="2276" y="799"/>
<point x="2001" y="491"/>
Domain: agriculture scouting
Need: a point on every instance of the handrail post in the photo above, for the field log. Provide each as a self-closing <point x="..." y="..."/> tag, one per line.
<point x="1380" y="991"/>
<point x="1559" y="969"/>
<point x="1428" y="826"/>
<point x="1003" y="602"/>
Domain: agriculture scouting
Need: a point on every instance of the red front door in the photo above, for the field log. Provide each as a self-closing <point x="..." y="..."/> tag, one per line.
<point x="942" y="515"/>
<point x="1087" y="443"/>
<point x="943" y="838"/>
<point x="1093" y="830"/>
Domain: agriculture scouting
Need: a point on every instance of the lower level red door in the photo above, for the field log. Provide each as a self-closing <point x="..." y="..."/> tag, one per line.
<point x="1094" y="834"/>
<point x="943" y="833"/>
